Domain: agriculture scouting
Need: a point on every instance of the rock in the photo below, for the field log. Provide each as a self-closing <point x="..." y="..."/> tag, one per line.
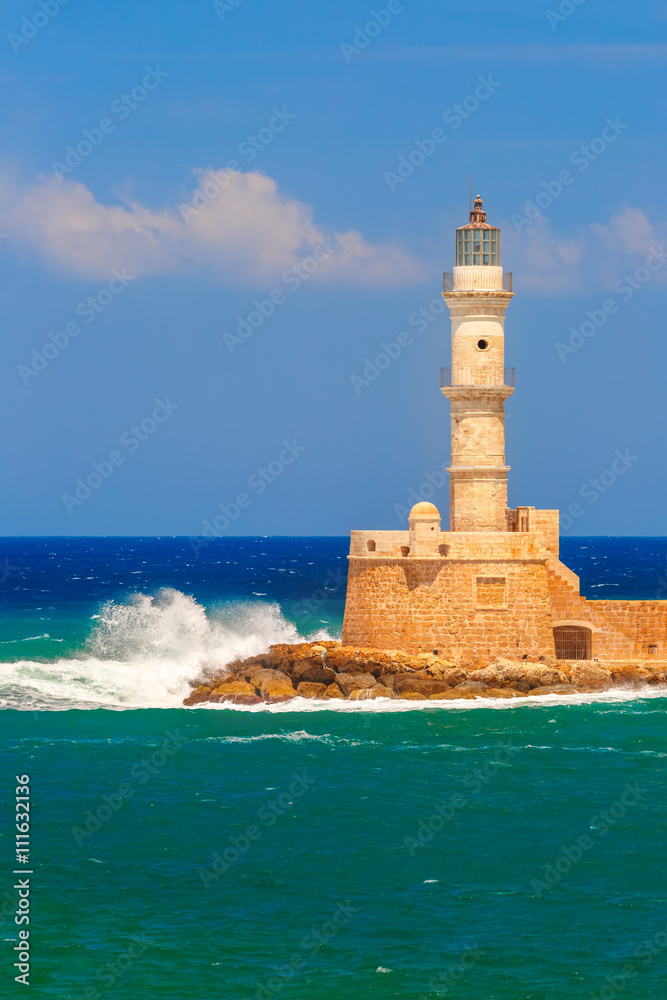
<point x="476" y="687"/>
<point x="269" y="676"/>
<point x="361" y="694"/>
<point x="333" y="692"/>
<point x="308" y="690"/>
<point x="348" y="660"/>
<point x="281" y="651"/>
<point x="553" y="689"/>
<point x="453" y="694"/>
<point x="338" y="659"/>
<point x="273" y="685"/>
<point x="425" y="686"/>
<point x="380" y="691"/>
<point x="250" y="671"/>
<point x="238" y="699"/>
<point x="251" y="661"/>
<point x="548" y="660"/>
<point x="413" y="696"/>
<point x="585" y="672"/>
<point x="630" y="673"/>
<point x="199" y="695"/>
<point x="517" y="674"/>
<point x="439" y="669"/>
<point x="221" y="678"/>
<point x="503" y="693"/>
<point x="367" y="694"/>
<point x="309" y="670"/>
<point x="236" y="667"/>
<point x="235" y="686"/>
<point x="354" y="682"/>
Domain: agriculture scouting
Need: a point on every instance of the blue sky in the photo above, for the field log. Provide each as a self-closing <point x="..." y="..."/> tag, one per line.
<point x="168" y="168"/>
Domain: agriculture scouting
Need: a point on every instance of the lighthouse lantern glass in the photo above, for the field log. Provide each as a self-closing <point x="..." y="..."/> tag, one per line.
<point x="478" y="247"/>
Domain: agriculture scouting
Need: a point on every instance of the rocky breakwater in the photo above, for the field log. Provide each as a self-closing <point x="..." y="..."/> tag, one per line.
<point x="328" y="670"/>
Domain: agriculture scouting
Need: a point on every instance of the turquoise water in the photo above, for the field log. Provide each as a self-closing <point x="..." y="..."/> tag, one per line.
<point x="482" y="850"/>
<point x="351" y="844"/>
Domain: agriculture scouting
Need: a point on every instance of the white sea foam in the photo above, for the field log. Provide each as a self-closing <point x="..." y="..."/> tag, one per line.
<point x="378" y="705"/>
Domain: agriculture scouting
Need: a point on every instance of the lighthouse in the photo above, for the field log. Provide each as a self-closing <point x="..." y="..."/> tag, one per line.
<point x="477" y="383"/>
<point x="493" y="584"/>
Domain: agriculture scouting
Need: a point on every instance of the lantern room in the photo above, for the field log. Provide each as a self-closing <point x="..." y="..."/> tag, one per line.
<point x="478" y="243"/>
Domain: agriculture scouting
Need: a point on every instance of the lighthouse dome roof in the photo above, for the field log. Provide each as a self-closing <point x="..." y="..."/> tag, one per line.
<point x="424" y="509"/>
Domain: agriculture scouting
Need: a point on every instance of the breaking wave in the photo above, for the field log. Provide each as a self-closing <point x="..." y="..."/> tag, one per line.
<point x="144" y="651"/>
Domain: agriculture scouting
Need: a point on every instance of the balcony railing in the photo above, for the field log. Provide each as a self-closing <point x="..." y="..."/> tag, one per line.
<point x="470" y="376"/>
<point x="448" y="283"/>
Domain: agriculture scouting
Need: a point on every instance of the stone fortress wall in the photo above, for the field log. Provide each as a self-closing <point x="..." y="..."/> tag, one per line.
<point x="477" y="596"/>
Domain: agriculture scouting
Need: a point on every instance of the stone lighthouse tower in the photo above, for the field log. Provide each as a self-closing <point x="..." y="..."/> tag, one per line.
<point x="478" y="294"/>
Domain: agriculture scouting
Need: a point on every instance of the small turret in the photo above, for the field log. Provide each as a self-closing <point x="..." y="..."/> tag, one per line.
<point x="424" y="521"/>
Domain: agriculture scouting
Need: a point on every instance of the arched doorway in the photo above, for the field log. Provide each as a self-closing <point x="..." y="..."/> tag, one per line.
<point x="573" y="642"/>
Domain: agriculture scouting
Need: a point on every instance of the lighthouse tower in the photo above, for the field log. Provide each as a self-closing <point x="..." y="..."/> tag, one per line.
<point x="477" y="383"/>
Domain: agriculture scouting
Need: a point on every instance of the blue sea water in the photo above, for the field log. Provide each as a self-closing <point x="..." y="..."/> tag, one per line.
<point x="481" y="850"/>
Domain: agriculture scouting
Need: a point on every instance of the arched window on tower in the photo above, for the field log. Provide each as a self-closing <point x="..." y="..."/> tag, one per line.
<point x="370" y="545"/>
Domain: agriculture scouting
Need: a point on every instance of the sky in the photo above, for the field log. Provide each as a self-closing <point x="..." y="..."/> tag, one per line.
<point x="215" y="217"/>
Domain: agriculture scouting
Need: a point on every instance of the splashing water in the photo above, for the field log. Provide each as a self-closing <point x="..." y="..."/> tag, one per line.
<point x="144" y="651"/>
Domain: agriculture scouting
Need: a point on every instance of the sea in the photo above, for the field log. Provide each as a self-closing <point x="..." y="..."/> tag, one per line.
<point x="484" y="850"/>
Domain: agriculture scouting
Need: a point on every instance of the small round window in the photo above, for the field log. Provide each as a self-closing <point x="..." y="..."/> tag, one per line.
<point x="483" y="345"/>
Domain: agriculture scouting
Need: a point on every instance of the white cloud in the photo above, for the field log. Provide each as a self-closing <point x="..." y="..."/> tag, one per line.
<point x="246" y="233"/>
<point x="595" y="257"/>
<point x="629" y="231"/>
